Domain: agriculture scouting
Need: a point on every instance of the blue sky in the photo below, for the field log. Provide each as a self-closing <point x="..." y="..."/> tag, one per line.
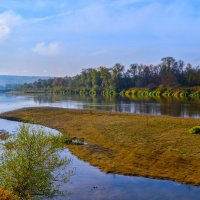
<point x="58" y="38"/>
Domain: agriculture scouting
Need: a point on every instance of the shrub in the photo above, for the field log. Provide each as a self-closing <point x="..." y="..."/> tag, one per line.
<point x="66" y="140"/>
<point x="195" y="130"/>
<point x="30" y="165"/>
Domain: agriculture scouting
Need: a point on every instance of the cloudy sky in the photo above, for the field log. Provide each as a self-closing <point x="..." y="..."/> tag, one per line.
<point x="60" y="37"/>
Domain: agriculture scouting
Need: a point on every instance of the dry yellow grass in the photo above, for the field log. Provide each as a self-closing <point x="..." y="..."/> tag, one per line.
<point x="7" y="195"/>
<point x="150" y="146"/>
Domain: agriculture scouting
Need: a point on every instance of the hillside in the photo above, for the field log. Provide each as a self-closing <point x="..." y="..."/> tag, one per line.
<point x="18" y="80"/>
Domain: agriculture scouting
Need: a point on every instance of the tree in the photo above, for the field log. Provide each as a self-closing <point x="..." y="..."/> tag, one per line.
<point x="170" y="72"/>
<point x="133" y="70"/>
<point x="96" y="81"/>
<point x="117" y="75"/>
<point x="105" y="77"/>
<point x="30" y="162"/>
<point x="167" y="75"/>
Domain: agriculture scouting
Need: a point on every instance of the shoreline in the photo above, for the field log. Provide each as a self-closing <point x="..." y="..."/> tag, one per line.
<point x="82" y="110"/>
<point x="124" y="143"/>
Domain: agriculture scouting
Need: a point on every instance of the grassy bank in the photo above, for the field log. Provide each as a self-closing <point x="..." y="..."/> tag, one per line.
<point x="156" y="92"/>
<point x="165" y="92"/>
<point x="150" y="146"/>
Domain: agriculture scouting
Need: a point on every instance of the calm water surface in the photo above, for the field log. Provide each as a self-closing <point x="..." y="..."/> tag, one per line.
<point x="89" y="183"/>
<point x="173" y="107"/>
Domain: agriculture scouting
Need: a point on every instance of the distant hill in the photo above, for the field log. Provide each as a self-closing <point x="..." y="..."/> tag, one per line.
<point x="19" y="80"/>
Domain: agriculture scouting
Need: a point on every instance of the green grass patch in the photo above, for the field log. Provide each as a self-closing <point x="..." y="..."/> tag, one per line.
<point x="195" y="130"/>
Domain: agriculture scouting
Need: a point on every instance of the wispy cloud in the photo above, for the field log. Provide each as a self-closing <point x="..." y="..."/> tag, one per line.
<point x="53" y="48"/>
<point x="8" y="20"/>
<point x="158" y="18"/>
<point x="97" y="32"/>
<point x="46" y="18"/>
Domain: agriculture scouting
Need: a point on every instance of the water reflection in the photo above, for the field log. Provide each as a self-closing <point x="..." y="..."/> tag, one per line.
<point x="161" y="106"/>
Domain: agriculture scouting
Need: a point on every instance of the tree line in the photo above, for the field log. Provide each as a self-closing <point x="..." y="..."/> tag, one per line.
<point x="169" y="73"/>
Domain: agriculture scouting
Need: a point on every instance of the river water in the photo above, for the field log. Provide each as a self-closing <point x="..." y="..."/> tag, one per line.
<point x="88" y="182"/>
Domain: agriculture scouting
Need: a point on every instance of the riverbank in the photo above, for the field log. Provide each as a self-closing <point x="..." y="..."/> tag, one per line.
<point x="156" y="92"/>
<point x="164" y="92"/>
<point x="150" y="146"/>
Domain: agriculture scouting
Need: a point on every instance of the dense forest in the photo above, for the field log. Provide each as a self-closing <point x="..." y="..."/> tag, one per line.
<point x="170" y="73"/>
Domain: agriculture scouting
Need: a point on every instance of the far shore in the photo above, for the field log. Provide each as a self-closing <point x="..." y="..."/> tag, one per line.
<point x="129" y="144"/>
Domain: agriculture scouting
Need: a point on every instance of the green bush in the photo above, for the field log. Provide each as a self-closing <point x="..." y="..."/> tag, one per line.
<point x="66" y="140"/>
<point x="195" y="130"/>
<point x="29" y="165"/>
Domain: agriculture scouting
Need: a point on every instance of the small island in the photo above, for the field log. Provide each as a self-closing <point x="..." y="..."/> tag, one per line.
<point x="143" y="145"/>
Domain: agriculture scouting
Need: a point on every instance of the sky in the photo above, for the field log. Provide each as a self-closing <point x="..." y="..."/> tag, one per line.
<point x="61" y="37"/>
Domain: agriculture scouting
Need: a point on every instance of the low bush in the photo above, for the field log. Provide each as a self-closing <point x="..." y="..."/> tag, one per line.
<point x="195" y="130"/>
<point x="29" y="164"/>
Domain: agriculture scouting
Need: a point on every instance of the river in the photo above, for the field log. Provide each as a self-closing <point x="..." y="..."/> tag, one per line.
<point x="88" y="182"/>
